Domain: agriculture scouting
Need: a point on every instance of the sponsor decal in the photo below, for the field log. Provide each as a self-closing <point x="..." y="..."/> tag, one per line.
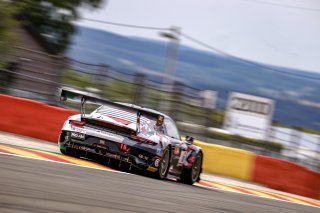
<point x="118" y="157"/>
<point x="249" y="105"/>
<point x="79" y="130"/>
<point x="184" y="155"/>
<point x="110" y="136"/>
<point x="143" y="157"/>
<point x="79" y="147"/>
<point x="156" y="162"/>
<point x="78" y="135"/>
<point x="101" y="146"/>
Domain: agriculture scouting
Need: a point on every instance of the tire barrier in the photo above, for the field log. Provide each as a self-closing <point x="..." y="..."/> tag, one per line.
<point x="32" y="118"/>
<point x="286" y="176"/>
<point x="39" y="120"/>
<point x="227" y="161"/>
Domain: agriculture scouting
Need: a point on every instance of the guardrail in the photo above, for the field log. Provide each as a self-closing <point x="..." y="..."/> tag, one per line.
<point x="286" y="176"/>
<point x="274" y="173"/>
<point x="32" y="118"/>
<point x="227" y="161"/>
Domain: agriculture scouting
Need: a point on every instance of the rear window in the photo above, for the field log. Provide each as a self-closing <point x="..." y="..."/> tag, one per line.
<point x="117" y="113"/>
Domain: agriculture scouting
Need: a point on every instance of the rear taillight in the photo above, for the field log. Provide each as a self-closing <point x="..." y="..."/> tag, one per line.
<point x="77" y="123"/>
<point x="191" y="159"/>
<point x="142" y="140"/>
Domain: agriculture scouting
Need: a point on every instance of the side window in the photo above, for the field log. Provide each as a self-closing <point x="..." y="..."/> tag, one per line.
<point x="171" y="128"/>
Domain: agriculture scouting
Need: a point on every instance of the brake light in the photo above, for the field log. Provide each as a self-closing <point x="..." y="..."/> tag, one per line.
<point x="192" y="158"/>
<point x="77" y="123"/>
<point x="142" y="140"/>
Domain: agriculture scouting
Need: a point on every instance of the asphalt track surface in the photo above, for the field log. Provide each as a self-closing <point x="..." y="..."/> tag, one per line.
<point x="30" y="185"/>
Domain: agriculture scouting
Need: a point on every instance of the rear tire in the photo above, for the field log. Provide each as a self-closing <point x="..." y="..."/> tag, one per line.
<point x="164" y="164"/>
<point x="192" y="175"/>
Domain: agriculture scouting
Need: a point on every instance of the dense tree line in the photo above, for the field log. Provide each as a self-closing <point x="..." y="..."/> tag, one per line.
<point x="6" y="23"/>
<point x="53" y="19"/>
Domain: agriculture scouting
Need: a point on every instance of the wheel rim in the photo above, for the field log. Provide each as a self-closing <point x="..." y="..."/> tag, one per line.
<point x="196" y="168"/>
<point x="164" y="163"/>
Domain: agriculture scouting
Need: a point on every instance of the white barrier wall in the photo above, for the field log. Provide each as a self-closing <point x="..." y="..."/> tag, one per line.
<point x="296" y="144"/>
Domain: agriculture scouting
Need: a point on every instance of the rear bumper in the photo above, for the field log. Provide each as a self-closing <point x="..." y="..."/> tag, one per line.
<point x="96" y="148"/>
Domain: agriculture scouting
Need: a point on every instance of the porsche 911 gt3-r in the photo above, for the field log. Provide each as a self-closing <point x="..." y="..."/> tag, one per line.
<point x="138" y="137"/>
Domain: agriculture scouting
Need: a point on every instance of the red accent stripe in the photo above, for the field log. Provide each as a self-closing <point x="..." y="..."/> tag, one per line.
<point x="161" y="140"/>
<point x="206" y="184"/>
<point x="5" y="151"/>
<point x="141" y="139"/>
<point x="238" y="189"/>
<point x="296" y="198"/>
<point x="247" y="192"/>
<point x="276" y="196"/>
<point x="43" y="154"/>
<point x="306" y="201"/>
<point x="280" y="197"/>
<point x="311" y="203"/>
<point x="120" y="120"/>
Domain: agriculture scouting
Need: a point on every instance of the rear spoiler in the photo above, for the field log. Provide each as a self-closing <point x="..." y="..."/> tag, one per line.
<point x="83" y="97"/>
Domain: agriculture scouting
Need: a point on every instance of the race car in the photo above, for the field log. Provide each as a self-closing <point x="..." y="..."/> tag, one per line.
<point x="129" y="134"/>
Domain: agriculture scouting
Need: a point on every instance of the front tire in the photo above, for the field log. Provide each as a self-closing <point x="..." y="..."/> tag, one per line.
<point x="192" y="175"/>
<point x="164" y="164"/>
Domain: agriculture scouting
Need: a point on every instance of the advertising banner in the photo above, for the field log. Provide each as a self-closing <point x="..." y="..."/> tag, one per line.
<point x="248" y="115"/>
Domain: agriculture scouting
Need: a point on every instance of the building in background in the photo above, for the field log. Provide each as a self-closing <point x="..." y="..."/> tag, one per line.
<point x="209" y="99"/>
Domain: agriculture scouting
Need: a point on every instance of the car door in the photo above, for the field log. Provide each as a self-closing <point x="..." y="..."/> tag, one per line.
<point x="178" y="148"/>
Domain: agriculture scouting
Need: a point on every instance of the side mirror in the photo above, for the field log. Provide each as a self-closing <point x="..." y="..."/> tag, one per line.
<point x="189" y="139"/>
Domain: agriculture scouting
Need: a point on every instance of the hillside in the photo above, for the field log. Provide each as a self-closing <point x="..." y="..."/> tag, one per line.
<point x="297" y="97"/>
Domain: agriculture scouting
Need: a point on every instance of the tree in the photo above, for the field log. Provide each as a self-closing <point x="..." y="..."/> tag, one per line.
<point x="53" y="18"/>
<point x="6" y="23"/>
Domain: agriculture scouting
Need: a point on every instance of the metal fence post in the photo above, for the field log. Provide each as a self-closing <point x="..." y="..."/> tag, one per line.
<point x="139" y="93"/>
<point x="317" y="159"/>
<point x="103" y="73"/>
<point x="295" y="138"/>
<point x="175" y="100"/>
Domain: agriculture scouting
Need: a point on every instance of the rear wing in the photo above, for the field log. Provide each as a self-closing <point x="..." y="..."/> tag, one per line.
<point x="83" y="98"/>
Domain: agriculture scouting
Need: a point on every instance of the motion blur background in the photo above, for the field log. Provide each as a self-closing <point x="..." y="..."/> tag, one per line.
<point x="180" y="57"/>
